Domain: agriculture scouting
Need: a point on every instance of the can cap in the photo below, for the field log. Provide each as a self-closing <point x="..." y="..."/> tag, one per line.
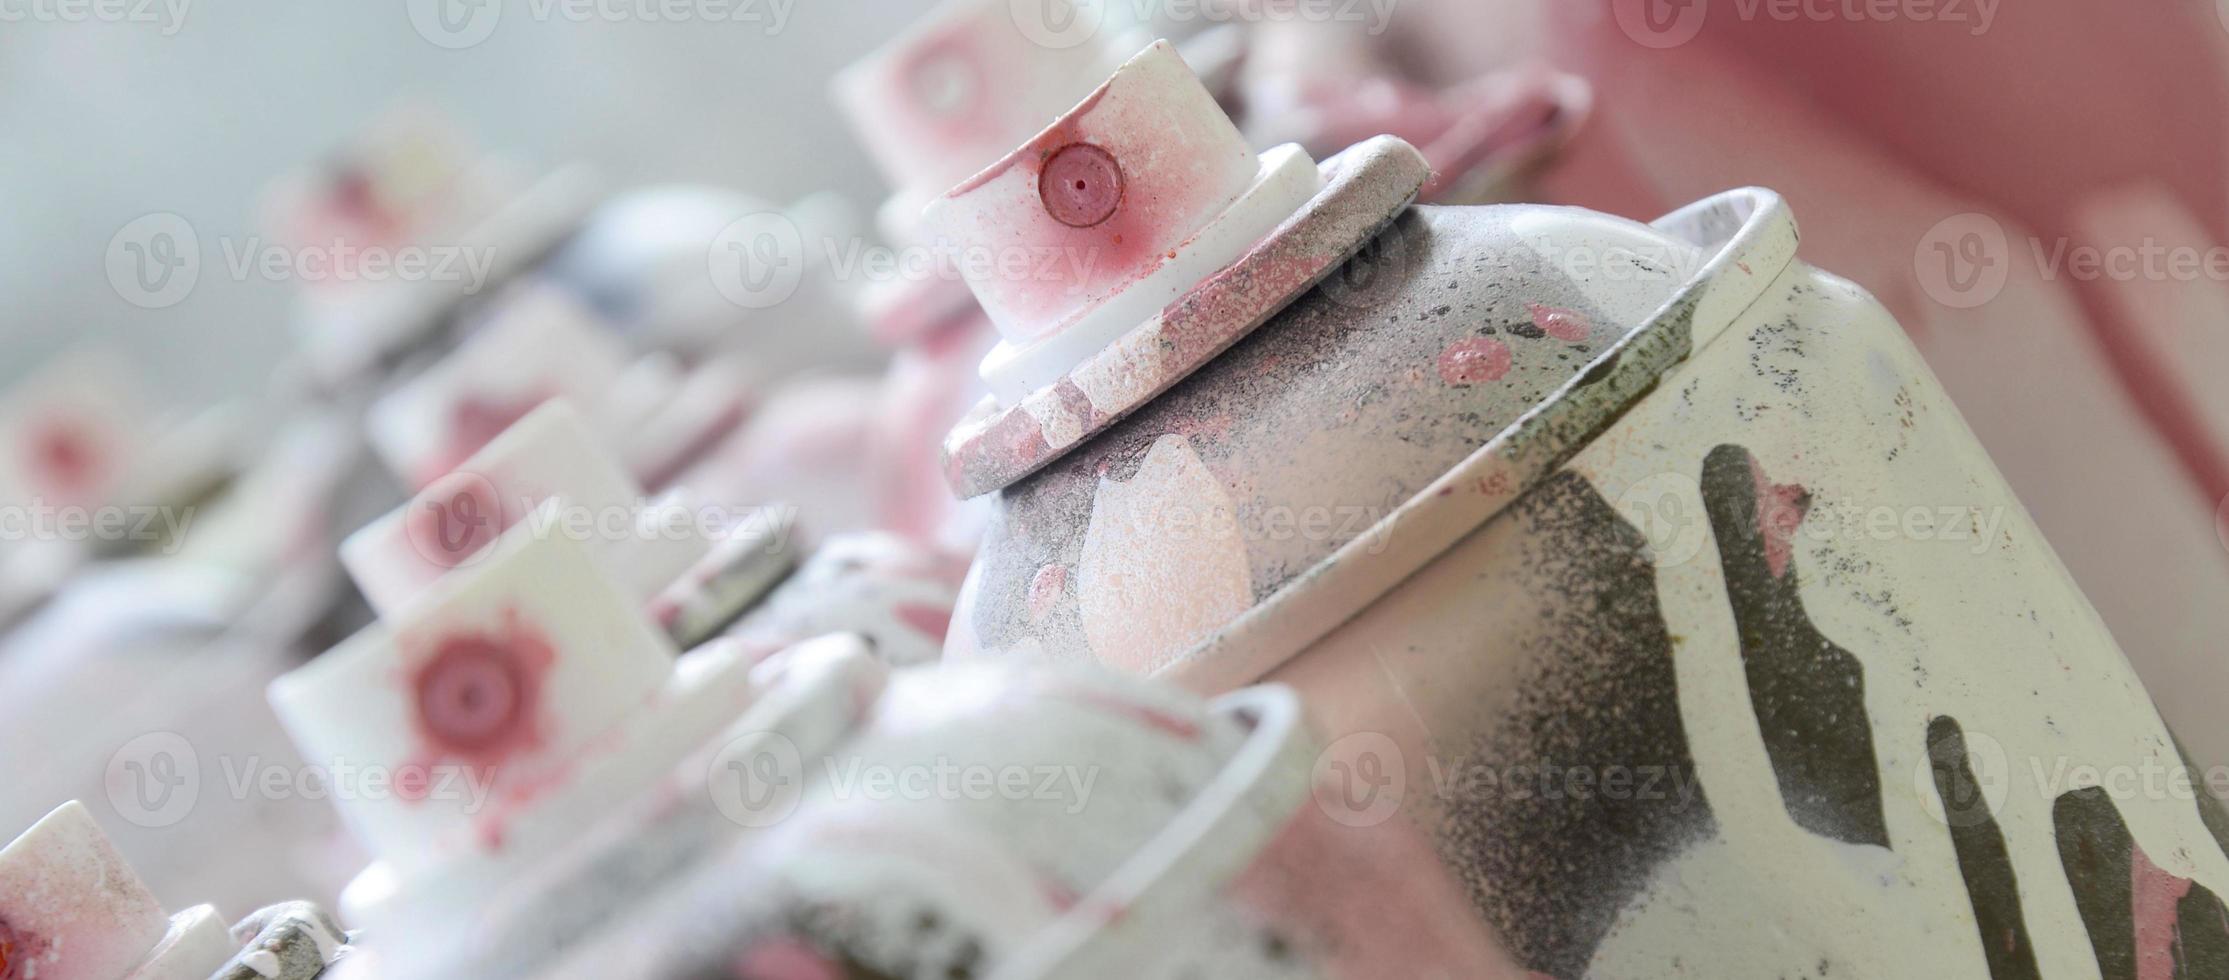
<point x="539" y="344"/>
<point x="71" y="908"/>
<point x="479" y="695"/>
<point x="1120" y="207"/>
<point x="962" y="86"/>
<point x="550" y="455"/>
<point x="956" y="91"/>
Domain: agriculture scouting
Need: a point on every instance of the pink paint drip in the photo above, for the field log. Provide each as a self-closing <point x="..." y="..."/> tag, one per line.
<point x="1561" y="324"/>
<point x="2153" y="898"/>
<point x="1045" y="589"/>
<point x="1474" y="360"/>
<point x="1780" y="510"/>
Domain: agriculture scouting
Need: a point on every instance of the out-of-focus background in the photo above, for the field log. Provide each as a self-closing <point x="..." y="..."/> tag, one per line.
<point x="110" y="121"/>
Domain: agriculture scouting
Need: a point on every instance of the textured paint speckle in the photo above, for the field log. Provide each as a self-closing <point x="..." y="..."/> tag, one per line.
<point x="1163" y="563"/>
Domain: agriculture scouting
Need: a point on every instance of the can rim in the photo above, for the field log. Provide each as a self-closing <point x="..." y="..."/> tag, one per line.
<point x="1755" y="235"/>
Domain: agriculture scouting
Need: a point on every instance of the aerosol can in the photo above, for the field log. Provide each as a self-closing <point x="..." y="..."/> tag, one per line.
<point x="1642" y="567"/>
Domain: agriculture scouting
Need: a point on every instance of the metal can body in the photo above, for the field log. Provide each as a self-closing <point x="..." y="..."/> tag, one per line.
<point x="1726" y="651"/>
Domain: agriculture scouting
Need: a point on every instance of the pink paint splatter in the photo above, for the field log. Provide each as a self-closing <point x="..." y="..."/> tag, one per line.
<point x="1474" y="360"/>
<point x="1045" y="589"/>
<point x="1780" y="510"/>
<point x="68" y="458"/>
<point x="1561" y="324"/>
<point x="478" y="699"/>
